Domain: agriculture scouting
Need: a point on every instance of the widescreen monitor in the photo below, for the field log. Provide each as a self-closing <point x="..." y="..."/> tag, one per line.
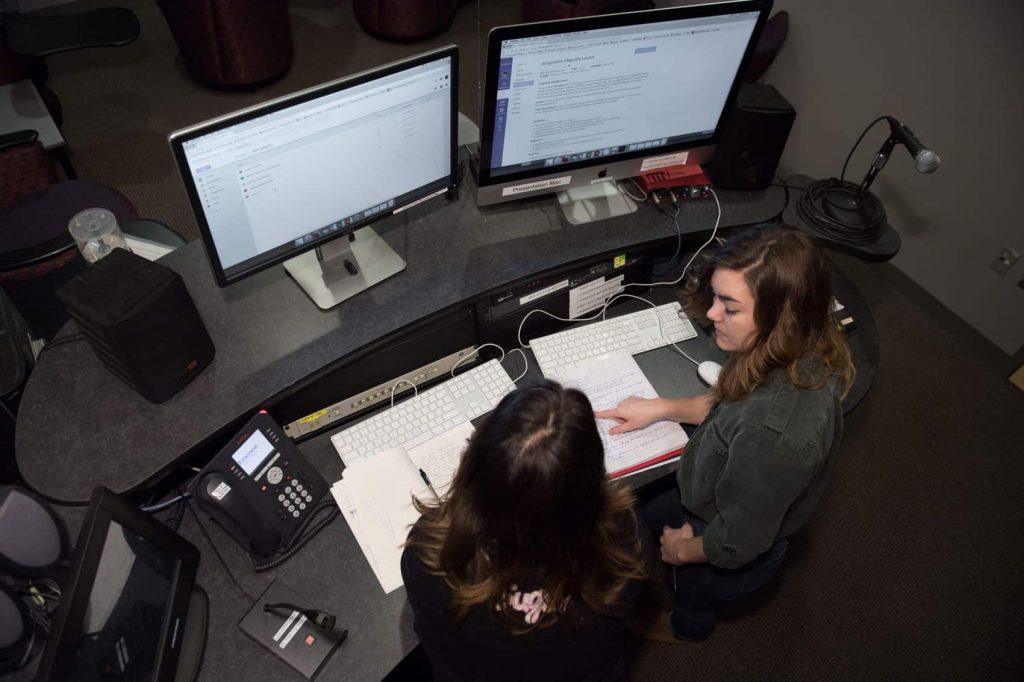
<point x="570" y="106"/>
<point x="298" y="179"/>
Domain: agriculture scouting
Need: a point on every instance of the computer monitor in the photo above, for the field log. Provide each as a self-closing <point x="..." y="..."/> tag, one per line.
<point x="298" y="179"/>
<point x="125" y="607"/>
<point x="570" y="106"/>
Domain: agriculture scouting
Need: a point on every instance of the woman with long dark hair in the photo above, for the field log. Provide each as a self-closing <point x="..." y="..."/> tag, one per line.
<point x="757" y="465"/>
<point x="529" y="566"/>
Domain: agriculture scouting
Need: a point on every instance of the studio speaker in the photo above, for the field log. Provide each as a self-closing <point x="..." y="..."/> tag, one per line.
<point x="141" y="322"/>
<point x="752" y="140"/>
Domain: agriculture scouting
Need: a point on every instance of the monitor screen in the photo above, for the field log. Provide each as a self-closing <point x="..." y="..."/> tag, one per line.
<point x="646" y="88"/>
<point x="123" y="608"/>
<point x="278" y="179"/>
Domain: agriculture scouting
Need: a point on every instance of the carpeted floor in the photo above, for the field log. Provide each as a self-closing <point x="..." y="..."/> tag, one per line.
<point x="911" y="567"/>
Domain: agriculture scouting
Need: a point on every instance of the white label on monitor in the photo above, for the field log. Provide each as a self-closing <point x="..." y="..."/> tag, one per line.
<point x="663" y="161"/>
<point x="534" y="186"/>
<point x="220" y="491"/>
<point x="591" y="295"/>
<point x="600" y="180"/>
<point x="543" y="292"/>
<point x="253" y="451"/>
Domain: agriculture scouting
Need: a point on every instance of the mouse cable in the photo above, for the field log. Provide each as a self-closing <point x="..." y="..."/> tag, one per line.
<point x="213" y="546"/>
<point x="661" y="328"/>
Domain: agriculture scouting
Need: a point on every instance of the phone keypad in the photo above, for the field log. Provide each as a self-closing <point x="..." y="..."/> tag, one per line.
<point x="294" y="499"/>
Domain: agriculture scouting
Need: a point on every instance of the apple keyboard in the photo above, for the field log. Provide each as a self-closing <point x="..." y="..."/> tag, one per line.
<point x="631" y="333"/>
<point x="427" y="415"/>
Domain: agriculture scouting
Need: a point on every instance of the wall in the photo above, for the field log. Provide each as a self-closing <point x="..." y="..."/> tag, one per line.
<point x="951" y="70"/>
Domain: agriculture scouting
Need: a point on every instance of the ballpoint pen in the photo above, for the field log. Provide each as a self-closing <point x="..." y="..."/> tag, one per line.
<point x="426" y="479"/>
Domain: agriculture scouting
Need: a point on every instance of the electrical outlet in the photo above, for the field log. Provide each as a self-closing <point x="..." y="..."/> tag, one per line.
<point x="1005" y="260"/>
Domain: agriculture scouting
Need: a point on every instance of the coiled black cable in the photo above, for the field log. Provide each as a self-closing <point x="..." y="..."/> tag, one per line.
<point x="812" y="201"/>
<point x="810" y="208"/>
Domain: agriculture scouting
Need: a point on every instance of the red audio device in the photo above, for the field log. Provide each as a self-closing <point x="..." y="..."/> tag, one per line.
<point x="684" y="180"/>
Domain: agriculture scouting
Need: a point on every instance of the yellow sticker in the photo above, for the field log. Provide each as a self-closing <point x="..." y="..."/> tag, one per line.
<point x="619" y="261"/>
<point x="312" y="417"/>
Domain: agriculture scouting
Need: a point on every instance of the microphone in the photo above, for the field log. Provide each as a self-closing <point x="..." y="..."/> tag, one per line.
<point x="925" y="160"/>
<point x="321" y="619"/>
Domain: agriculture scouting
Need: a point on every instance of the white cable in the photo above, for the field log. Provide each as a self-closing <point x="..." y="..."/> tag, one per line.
<point x="526" y="363"/>
<point x="519" y="334"/>
<point x="474" y="353"/>
<point x="415" y="391"/>
<point x="601" y="313"/>
<point x="679" y="279"/>
<point x="661" y="327"/>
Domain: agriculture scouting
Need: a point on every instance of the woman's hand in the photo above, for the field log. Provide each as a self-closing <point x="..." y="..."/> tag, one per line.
<point x="633" y="413"/>
<point x="679" y="546"/>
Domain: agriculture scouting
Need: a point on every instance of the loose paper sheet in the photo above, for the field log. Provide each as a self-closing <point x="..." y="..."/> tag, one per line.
<point x="375" y="496"/>
<point x="608" y="380"/>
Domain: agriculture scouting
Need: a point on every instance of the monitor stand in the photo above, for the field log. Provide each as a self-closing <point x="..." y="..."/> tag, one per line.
<point x="342" y="268"/>
<point x="595" y="202"/>
<point x="193" y="640"/>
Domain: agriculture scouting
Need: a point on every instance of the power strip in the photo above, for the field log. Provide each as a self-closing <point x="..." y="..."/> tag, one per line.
<point x="372" y="397"/>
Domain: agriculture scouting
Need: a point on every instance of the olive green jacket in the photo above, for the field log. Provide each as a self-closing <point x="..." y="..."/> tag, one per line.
<point x="755" y="468"/>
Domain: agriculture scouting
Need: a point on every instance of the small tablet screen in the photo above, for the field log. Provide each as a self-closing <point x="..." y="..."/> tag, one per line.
<point x="120" y="635"/>
<point x="124" y="605"/>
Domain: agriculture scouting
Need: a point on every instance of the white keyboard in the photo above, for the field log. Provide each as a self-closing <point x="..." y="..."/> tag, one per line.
<point x="429" y="414"/>
<point x="632" y="333"/>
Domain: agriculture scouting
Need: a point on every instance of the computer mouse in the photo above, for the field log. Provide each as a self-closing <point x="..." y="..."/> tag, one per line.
<point x="708" y="371"/>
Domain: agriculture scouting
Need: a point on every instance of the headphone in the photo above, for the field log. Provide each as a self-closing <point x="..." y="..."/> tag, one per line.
<point x="34" y="553"/>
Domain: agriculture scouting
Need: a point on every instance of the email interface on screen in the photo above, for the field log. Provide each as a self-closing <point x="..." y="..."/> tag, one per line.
<point x="274" y="183"/>
<point x="589" y="94"/>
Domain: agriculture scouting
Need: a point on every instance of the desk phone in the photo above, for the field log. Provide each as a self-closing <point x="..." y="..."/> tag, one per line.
<point x="259" y="487"/>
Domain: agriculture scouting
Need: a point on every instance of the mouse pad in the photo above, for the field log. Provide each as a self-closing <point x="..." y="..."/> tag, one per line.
<point x="289" y="635"/>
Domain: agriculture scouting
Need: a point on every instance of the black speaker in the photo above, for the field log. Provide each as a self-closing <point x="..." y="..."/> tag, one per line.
<point x="141" y="322"/>
<point x="753" y="138"/>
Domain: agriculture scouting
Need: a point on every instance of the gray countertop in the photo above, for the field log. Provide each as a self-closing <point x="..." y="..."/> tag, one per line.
<point x="79" y="426"/>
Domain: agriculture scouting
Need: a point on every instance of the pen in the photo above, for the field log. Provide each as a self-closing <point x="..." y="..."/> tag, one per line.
<point x="426" y="479"/>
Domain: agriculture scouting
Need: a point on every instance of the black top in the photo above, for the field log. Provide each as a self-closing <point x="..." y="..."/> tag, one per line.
<point x="480" y="649"/>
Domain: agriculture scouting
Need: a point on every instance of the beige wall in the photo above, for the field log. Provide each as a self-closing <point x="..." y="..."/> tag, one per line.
<point x="954" y="72"/>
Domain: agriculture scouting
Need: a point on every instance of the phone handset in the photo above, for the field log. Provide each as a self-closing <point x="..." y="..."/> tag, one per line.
<point x="216" y="490"/>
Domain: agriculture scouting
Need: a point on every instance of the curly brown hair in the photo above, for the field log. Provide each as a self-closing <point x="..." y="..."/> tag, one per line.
<point x="531" y="505"/>
<point x="797" y="330"/>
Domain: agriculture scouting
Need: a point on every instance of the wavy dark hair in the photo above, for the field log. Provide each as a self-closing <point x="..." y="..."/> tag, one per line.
<point x="790" y="280"/>
<point x="531" y="507"/>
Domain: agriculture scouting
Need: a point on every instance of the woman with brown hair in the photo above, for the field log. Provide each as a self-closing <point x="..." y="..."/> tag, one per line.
<point x="529" y="566"/>
<point x="757" y="465"/>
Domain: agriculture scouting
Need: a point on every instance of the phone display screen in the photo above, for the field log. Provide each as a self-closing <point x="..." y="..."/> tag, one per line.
<point x="254" y="450"/>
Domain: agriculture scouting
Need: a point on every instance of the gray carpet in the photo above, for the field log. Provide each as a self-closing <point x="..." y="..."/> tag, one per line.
<point x="910" y="568"/>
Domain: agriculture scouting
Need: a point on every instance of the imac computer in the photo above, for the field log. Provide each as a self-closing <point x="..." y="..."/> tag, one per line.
<point x="298" y="179"/>
<point x="571" y="106"/>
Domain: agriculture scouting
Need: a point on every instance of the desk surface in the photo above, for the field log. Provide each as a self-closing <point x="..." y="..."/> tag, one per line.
<point x="80" y="426"/>
<point x="332" y="572"/>
<point x="78" y="422"/>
